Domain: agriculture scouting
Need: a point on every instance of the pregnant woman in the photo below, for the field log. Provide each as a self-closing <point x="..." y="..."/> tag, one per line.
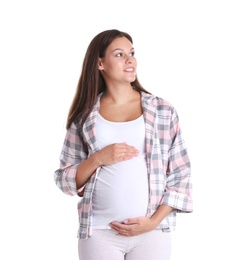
<point x="125" y="156"/>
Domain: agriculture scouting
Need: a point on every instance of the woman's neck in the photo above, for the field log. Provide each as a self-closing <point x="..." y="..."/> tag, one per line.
<point x="120" y="95"/>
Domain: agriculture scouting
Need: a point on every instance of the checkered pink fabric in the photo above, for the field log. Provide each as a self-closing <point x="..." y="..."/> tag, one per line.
<point x="168" y="164"/>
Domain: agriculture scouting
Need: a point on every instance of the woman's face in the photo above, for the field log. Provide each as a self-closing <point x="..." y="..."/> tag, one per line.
<point x="119" y="64"/>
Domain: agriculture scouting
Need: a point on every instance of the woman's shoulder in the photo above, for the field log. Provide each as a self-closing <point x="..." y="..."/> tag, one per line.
<point x="157" y="100"/>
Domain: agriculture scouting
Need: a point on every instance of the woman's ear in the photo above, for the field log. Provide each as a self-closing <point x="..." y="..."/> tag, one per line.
<point x="100" y="64"/>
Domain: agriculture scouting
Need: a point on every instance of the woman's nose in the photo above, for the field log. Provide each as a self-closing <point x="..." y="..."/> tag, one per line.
<point x="130" y="59"/>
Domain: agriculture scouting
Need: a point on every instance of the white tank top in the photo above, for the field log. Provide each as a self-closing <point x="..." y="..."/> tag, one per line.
<point x="121" y="189"/>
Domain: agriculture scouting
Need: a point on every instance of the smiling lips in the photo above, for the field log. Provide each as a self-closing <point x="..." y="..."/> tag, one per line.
<point x="130" y="69"/>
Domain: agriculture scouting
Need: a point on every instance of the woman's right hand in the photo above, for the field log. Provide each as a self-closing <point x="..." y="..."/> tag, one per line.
<point x="115" y="153"/>
<point x="111" y="154"/>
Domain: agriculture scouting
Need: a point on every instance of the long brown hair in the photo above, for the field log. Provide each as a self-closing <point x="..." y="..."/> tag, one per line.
<point x="91" y="83"/>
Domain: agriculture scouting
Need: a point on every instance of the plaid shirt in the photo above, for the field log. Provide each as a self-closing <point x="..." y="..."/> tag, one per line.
<point x="168" y="165"/>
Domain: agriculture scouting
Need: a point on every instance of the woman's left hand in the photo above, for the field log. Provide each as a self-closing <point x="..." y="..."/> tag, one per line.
<point x="133" y="226"/>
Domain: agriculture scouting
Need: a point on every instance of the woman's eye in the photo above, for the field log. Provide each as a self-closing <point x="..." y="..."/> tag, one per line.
<point x="122" y="54"/>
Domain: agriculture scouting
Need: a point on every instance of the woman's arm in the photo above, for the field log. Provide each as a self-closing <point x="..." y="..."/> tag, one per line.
<point x="136" y="226"/>
<point x="109" y="155"/>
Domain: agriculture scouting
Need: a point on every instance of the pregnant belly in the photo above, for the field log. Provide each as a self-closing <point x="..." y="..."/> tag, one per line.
<point x="121" y="192"/>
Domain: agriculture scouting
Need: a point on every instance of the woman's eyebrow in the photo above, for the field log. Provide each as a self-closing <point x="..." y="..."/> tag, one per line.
<point x="119" y="49"/>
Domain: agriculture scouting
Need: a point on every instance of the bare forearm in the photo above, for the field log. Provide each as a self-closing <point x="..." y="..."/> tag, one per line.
<point x="160" y="214"/>
<point x="86" y="169"/>
<point x="107" y="156"/>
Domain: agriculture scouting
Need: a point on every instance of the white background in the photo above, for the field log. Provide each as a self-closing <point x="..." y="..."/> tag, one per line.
<point x="193" y="53"/>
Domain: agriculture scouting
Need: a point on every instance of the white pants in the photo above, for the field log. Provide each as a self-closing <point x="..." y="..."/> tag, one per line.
<point x="105" y="244"/>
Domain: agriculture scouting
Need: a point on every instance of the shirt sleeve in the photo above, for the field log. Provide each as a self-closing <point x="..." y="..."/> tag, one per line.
<point x="178" y="191"/>
<point x="72" y="154"/>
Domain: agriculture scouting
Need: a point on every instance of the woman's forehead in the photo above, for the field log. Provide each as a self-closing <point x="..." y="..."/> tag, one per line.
<point x="121" y="43"/>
